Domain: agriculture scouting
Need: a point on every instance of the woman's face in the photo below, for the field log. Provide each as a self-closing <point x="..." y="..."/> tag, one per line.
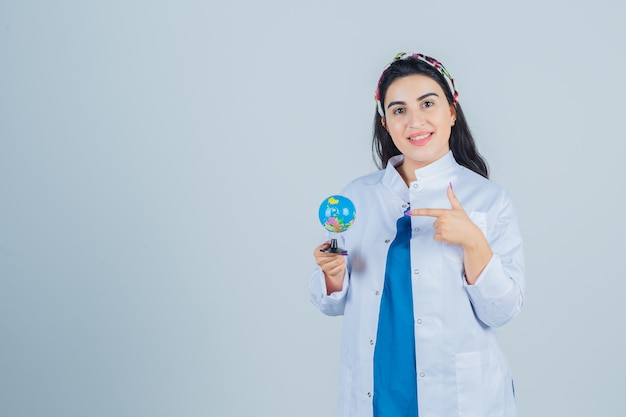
<point x="419" y="119"/>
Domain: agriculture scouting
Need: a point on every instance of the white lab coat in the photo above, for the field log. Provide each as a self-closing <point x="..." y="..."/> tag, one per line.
<point x="461" y="370"/>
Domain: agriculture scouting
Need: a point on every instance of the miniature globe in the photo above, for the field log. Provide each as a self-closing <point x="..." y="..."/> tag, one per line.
<point x="337" y="213"/>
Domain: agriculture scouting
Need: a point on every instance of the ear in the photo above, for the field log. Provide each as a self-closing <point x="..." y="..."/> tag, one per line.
<point x="382" y="122"/>
<point x="452" y="115"/>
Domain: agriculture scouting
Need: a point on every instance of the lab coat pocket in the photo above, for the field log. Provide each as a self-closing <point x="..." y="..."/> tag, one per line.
<point x="454" y="252"/>
<point x="480" y="390"/>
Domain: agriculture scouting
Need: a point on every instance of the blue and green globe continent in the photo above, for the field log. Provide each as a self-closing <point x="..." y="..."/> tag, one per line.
<point x="337" y="213"/>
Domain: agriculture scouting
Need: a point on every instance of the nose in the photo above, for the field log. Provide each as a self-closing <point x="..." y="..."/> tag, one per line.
<point x="416" y="117"/>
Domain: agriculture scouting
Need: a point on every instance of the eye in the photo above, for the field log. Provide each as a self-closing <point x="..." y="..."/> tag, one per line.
<point x="398" y="110"/>
<point x="428" y="103"/>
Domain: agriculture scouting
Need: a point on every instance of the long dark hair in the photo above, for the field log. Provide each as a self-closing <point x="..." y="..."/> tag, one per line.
<point x="462" y="142"/>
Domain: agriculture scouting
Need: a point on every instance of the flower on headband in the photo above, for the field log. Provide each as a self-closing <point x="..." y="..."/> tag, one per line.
<point x="402" y="56"/>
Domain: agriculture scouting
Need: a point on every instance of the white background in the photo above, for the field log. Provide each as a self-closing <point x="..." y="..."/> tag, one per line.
<point x="162" y="163"/>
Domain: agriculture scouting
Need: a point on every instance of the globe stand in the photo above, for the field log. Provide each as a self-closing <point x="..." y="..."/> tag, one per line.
<point x="334" y="248"/>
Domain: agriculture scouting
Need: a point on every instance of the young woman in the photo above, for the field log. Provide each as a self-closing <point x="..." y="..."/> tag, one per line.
<point x="435" y="262"/>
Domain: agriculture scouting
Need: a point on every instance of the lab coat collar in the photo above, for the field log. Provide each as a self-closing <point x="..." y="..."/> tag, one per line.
<point x="394" y="181"/>
<point x="436" y="168"/>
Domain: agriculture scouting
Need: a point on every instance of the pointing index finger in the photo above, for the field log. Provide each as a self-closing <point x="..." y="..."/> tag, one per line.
<point x="430" y="212"/>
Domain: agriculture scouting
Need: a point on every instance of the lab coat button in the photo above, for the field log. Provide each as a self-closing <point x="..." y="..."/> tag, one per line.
<point x="387" y="240"/>
<point x="422" y="374"/>
<point x="418" y="321"/>
<point x="369" y="394"/>
<point x="416" y="186"/>
<point x="405" y="206"/>
<point x="416" y="271"/>
<point x="372" y="342"/>
<point x="417" y="229"/>
<point x="377" y="292"/>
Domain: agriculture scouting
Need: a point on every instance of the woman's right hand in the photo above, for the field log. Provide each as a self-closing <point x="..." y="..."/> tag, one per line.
<point x="333" y="265"/>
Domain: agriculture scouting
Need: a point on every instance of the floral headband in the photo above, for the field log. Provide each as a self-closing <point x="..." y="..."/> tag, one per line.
<point x="403" y="56"/>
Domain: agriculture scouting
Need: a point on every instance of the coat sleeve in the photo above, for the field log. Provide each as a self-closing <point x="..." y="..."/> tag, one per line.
<point x="333" y="304"/>
<point x="498" y="294"/>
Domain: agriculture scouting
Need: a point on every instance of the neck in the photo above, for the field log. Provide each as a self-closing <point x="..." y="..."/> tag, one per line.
<point x="407" y="174"/>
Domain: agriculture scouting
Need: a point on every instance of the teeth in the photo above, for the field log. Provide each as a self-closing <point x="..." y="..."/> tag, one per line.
<point x="420" y="137"/>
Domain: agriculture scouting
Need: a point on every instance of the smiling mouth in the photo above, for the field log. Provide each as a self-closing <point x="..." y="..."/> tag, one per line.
<point x="420" y="137"/>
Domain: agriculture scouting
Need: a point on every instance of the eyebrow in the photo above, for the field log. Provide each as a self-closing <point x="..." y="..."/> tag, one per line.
<point x="420" y="98"/>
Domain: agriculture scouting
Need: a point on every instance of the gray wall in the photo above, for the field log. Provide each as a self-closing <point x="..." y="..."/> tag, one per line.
<point x="161" y="166"/>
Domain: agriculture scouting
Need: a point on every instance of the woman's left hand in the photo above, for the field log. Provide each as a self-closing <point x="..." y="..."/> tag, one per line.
<point x="453" y="226"/>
